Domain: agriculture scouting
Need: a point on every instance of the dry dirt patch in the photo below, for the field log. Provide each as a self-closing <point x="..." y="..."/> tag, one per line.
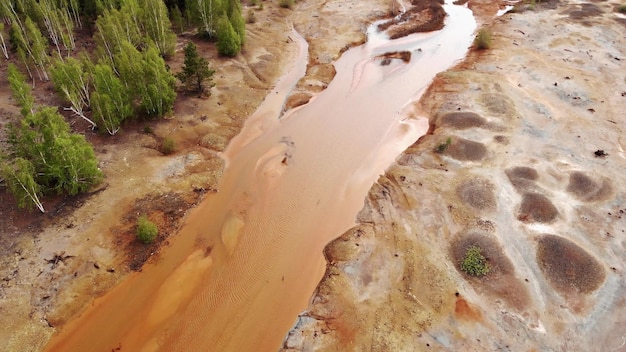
<point x="567" y="266"/>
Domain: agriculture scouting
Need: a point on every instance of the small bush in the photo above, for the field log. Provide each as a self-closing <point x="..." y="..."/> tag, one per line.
<point x="254" y="2"/>
<point x="483" y="39"/>
<point x="168" y="146"/>
<point x="148" y="130"/>
<point x="474" y="263"/>
<point x="146" y="230"/>
<point x="260" y="8"/>
<point x="286" y="4"/>
<point x="622" y="8"/>
<point x="442" y="147"/>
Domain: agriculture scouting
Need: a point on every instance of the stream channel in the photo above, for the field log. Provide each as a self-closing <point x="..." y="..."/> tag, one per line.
<point x="249" y="257"/>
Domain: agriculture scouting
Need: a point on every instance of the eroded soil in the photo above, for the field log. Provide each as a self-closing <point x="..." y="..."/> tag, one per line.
<point x="525" y="160"/>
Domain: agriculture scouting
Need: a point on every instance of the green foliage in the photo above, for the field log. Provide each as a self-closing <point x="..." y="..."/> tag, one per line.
<point x="71" y="80"/>
<point x="483" y="39"/>
<point x="113" y="29"/>
<point x="622" y="8"/>
<point x="148" y="80"/>
<point x="474" y="263"/>
<point x="110" y="100"/>
<point x="178" y="22"/>
<point x="206" y="13"/>
<point x="228" y="42"/>
<point x="43" y="155"/>
<point x="196" y="70"/>
<point x="20" y="90"/>
<point x="19" y="176"/>
<point x="146" y="230"/>
<point x="286" y="4"/>
<point x="64" y="161"/>
<point x="238" y="23"/>
<point x="156" y="26"/>
<point x="168" y="146"/>
<point x="30" y="45"/>
<point x="58" y="23"/>
<point x="3" y="43"/>
<point x="442" y="147"/>
<point x="159" y="85"/>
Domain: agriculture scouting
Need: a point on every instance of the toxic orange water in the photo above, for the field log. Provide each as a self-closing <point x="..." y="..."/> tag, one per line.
<point x="249" y="257"/>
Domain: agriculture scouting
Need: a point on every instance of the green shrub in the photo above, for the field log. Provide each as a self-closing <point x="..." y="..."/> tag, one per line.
<point x="622" y="8"/>
<point x="474" y="263"/>
<point x="228" y="41"/>
<point x="286" y="4"/>
<point x="483" y="39"/>
<point x="146" y="230"/>
<point x="168" y="146"/>
<point x="442" y="147"/>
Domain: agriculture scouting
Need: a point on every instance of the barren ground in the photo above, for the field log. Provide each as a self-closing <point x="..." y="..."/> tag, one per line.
<point x="517" y="173"/>
<point x="534" y="175"/>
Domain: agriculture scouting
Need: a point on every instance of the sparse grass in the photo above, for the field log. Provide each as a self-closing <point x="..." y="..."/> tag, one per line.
<point x="148" y="130"/>
<point x="474" y="263"/>
<point x="146" y="230"/>
<point x="622" y="8"/>
<point x="442" y="147"/>
<point x="286" y="4"/>
<point x="168" y="146"/>
<point x="483" y="39"/>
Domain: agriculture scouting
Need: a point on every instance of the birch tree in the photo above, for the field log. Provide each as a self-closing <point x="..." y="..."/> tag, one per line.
<point x="72" y="80"/>
<point x="156" y="25"/>
<point x="206" y="14"/>
<point x="31" y="46"/>
<point x="3" y="44"/>
<point x="19" y="176"/>
<point x="63" y="161"/>
<point x="20" y="90"/>
<point x="158" y="93"/>
<point x="111" y="101"/>
<point x="112" y="29"/>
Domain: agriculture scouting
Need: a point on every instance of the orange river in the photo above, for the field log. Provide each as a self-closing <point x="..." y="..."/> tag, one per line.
<point x="249" y="257"/>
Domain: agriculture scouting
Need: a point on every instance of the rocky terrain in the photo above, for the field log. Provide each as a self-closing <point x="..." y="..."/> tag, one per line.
<point x="525" y="160"/>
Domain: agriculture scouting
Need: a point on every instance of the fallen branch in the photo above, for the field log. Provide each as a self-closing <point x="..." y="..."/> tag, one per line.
<point x="93" y="124"/>
<point x="58" y="258"/>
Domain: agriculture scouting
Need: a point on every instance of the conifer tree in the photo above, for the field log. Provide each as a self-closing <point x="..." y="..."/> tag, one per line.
<point x="196" y="70"/>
